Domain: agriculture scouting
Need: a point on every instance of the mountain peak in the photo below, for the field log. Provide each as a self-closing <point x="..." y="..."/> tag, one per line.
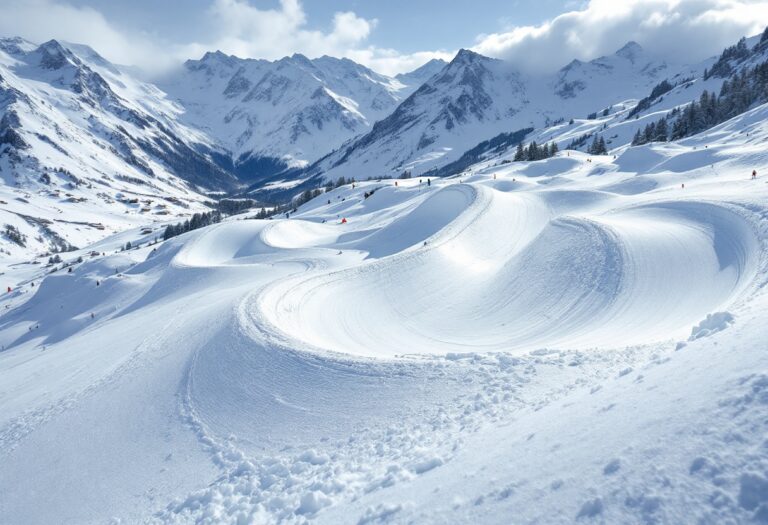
<point x="630" y="51"/>
<point x="53" y="55"/>
<point x="422" y="73"/>
<point x="298" y="57"/>
<point x="217" y="55"/>
<point x="466" y="56"/>
<point x="16" y="45"/>
<point x="53" y="46"/>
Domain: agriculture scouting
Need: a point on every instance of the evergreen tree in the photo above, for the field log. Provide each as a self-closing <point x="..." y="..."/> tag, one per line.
<point x="650" y="132"/>
<point x="520" y="153"/>
<point x="603" y="149"/>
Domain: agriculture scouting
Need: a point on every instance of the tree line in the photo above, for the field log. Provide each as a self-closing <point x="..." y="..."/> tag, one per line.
<point x="198" y="220"/>
<point x="535" y="152"/>
<point x="737" y="95"/>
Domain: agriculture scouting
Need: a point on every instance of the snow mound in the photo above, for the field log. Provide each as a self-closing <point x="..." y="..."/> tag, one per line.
<point x="713" y="323"/>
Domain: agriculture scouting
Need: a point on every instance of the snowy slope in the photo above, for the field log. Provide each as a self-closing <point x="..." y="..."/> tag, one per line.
<point x="421" y="74"/>
<point x="475" y="98"/>
<point x="575" y="339"/>
<point x="291" y="111"/>
<point x="85" y="149"/>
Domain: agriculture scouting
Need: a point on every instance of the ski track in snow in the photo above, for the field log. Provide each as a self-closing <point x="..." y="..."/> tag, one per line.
<point x="475" y="350"/>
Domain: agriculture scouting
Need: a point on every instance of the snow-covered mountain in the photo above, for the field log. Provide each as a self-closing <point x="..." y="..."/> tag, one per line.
<point x="81" y="136"/>
<point x="81" y="142"/>
<point x="574" y="340"/>
<point x="286" y="113"/>
<point x="475" y="98"/>
<point x="421" y="74"/>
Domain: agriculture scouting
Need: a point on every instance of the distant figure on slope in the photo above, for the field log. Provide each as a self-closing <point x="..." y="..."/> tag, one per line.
<point x="429" y="183"/>
<point x="682" y="186"/>
<point x="9" y="289"/>
<point x="754" y="174"/>
<point x="344" y="220"/>
<point x="395" y="183"/>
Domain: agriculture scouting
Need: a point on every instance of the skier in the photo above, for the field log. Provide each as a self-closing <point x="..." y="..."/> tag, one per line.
<point x="344" y="220"/>
<point x="429" y="183"/>
<point x="9" y="289"/>
<point x="682" y="186"/>
<point x="98" y="283"/>
<point x="395" y="183"/>
<point x="754" y="174"/>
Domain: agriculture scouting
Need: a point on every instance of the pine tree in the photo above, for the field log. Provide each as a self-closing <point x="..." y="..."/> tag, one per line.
<point x="533" y="150"/>
<point x="594" y="148"/>
<point x="520" y="153"/>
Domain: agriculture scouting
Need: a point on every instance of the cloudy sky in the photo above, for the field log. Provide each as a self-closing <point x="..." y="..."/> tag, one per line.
<point x="389" y="36"/>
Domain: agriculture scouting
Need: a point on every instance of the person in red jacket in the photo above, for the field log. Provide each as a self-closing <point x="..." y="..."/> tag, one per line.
<point x="344" y="220"/>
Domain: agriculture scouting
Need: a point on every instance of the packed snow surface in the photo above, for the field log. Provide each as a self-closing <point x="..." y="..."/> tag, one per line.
<point x="577" y="339"/>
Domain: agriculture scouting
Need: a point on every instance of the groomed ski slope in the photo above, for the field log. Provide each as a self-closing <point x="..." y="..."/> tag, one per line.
<point x="578" y="339"/>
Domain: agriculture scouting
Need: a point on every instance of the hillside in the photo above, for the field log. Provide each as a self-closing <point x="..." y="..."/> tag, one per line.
<point x="85" y="150"/>
<point x="475" y="97"/>
<point x="271" y="116"/>
<point x="572" y="339"/>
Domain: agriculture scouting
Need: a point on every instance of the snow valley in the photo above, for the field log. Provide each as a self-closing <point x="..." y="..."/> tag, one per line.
<point x="300" y="291"/>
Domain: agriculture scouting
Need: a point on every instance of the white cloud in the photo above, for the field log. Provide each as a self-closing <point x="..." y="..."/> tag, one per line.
<point x="690" y="29"/>
<point x="234" y="27"/>
<point x="246" y="31"/>
<point x="42" y="20"/>
<point x="686" y="30"/>
<point x="241" y="29"/>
